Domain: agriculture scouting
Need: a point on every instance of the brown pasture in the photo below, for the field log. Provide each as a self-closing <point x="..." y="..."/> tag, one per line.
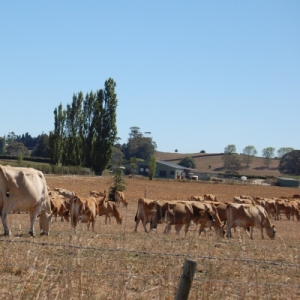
<point x="115" y="263"/>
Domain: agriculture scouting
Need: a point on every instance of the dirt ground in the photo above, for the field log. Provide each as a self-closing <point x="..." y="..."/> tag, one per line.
<point x="167" y="189"/>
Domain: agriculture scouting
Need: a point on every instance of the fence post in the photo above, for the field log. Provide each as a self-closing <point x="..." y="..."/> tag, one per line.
<point x="186" y="279"/>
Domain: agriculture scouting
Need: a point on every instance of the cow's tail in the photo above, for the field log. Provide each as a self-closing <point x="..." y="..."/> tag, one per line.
<point x="136" y="215"/>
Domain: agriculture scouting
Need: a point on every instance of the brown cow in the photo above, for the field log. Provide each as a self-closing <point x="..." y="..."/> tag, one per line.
<point x="197" y="198"/>
<point x="143" y="213"/>
<point x="160" y="208"/>
<point x="109" y="209"/>
<point x="210" y="197"/>
<point x="97" y="194"/>
<point x="185" y="213"/>
<point x="83" y="210"/>
<point x="243" y="200"/>
<point x="66" y="193"/>
<point x="288" y="208"/>
<point x="217" y="224"/>
<point x="270" y="207"/>
<point x="248" y="216"/>
<point x="58" y="208"/>
<point x="120" y="198"/>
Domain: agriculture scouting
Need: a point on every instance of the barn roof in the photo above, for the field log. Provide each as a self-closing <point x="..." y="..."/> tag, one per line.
<point x="169" y="164"/>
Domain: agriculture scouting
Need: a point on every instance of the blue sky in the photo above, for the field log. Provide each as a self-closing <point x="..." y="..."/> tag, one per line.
<point x="198" y="75"/>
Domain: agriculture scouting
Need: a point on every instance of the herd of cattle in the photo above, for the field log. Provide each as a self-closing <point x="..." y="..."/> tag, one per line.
<point x="25" y="189"/>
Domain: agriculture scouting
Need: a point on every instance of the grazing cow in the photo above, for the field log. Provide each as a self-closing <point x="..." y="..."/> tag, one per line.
<point x="97" y="194"/>
<point x="247" y="216"/>
<point x="24" y="189"/>
<point x="160" y="208"/>
<point x="210" y="197"/>
<point x="243" y="200"/>
<point x="270" y="207"/>
<point x="83" y="210"/>
<point x="59" y="208"/>
<point x="185" y="213"/>
<point x="65" y="193"/>
<point x="197" y="198"/>
<point x="288" y="208"/>
<point x="221" y="209"/>
<point x="144" y="212"/>
<point x="109" y="209"/>
<point x="120" y="198"/>
<point x="217" y="224"/>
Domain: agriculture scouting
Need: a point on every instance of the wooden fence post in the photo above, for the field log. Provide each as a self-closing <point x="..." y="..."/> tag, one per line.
<point x="186" y="279"/>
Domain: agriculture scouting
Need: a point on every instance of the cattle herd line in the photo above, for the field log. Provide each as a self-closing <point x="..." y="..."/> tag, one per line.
<point x="25" y="189"/>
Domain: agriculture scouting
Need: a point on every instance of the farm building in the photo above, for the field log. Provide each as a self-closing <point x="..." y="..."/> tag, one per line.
<point x="287" y="182"/>
<point x="168" y="170"/>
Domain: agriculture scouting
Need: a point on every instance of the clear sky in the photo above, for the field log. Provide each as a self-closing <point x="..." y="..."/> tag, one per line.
<point x="199" y="75"/>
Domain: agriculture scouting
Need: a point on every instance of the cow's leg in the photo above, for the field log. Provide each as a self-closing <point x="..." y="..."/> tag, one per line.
<point x="178" y="228"/>
<point x="187" y="226"/>
<point x="228" y="234"/>
<point x="167" y="228"/>
<point x="144" y="224"/>
<point x="137" y="221"/>
<point x="73" y="221"/>
<point x="32" y="217"/>
<point x="262" y="232"/>
<point x="4" y="222"/>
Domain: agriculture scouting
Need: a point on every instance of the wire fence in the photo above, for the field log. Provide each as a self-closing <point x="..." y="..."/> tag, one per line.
<point x="71" y="268"/>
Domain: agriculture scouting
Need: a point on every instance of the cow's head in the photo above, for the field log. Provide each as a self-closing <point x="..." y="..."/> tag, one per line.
<point x="271" y="232"/>
<point x="207" y="215"/>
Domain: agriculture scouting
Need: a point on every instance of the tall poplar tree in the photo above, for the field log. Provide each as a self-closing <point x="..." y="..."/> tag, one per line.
<point x="56" y="137"/>
<point x="105" y="126"/>
<point x="73" y="149"/>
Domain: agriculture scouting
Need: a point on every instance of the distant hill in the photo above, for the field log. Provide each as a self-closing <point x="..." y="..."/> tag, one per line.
<point x="204" y="160"/>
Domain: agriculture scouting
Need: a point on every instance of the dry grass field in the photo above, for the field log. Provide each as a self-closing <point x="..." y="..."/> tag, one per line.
<point x="115" y="263"/>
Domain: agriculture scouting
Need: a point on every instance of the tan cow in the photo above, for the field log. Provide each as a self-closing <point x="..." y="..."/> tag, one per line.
<point x="24" y="189"/>
<point x="66" y="193"/>
<point x="183" y="214"/>
<point x="248" y="216"/>
<point x="59" y="208"/>
<point x="221" y="209"/>
<point x="210" y="197"/>
<point x="83" y="210"/>
<point x="160" y="208"/>
<point x="120" y="198"/>
<point x="217" y="224"/>
<point x="143" y="213"/>
<point x="270" y="207"/>
<point x="97" y="194"/>
<point x="109" y="209"/>
<point x="197" y="198"/>
<point x="243" y="200"/>
<point x="289" y="208"/>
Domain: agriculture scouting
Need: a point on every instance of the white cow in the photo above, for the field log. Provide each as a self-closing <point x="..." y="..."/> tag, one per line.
<point x="24" y="189"/>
